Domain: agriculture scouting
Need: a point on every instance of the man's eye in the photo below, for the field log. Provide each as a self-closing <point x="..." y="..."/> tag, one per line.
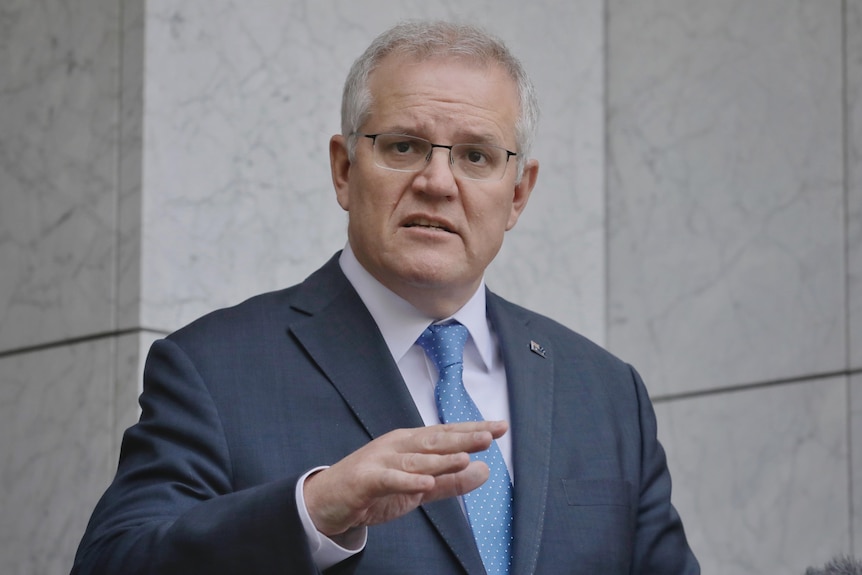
<point x="402" y="147"/>
<point x="476" y="157"/>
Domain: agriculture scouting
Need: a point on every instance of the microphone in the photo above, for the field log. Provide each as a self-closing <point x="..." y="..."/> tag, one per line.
<point x="838" y="566"/>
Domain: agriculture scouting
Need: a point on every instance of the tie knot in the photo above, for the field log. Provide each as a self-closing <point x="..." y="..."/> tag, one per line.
<point x="444" y="344"/>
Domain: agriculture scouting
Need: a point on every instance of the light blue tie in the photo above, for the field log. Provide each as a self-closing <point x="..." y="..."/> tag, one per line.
<point x="489" y="507"/>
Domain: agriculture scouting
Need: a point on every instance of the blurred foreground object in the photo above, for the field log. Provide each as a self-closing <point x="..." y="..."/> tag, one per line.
<point x="838" y="566"/>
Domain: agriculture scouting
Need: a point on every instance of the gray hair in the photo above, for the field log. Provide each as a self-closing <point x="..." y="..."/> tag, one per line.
<point x="427" y="39"/>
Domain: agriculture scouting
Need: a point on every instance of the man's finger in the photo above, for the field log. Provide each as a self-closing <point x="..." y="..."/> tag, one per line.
<point x="496" y="427"/>
<point x="434" y="464"/>
<point x="470" y="437"/>
<point x="455" y="484"/>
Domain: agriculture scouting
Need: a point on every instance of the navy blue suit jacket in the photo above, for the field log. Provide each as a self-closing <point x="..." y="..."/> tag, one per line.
<point x="237" y="405"/>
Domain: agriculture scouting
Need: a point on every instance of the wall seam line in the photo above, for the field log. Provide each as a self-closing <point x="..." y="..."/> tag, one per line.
<point x="742" y="387"/>
<point x="81" y="339"/>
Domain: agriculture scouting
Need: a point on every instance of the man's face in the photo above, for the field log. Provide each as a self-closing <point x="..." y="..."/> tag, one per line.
<point x="427" y="235"/>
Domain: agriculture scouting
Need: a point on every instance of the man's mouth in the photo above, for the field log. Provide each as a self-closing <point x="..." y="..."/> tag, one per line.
<point x="428" y="224"/>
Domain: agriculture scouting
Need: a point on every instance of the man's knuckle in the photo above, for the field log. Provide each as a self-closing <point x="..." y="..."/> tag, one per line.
<point x="431" y="441"/>
<point x="409" y="462"/>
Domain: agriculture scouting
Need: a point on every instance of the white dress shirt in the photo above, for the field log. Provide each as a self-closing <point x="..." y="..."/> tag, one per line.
<point x="401" y="324"/>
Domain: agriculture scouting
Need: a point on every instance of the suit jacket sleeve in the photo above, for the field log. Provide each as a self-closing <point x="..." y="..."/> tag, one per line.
<point x="172" y="507"/>
<point x="660" y="547"/>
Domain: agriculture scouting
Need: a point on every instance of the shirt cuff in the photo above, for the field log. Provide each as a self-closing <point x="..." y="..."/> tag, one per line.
<point x="325" y="552"/>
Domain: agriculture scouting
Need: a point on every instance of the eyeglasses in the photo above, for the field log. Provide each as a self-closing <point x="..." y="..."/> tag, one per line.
<point x="401" y="153"/>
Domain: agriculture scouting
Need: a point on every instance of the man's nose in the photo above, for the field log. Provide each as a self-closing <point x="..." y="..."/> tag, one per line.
<point x="437" y="177"/>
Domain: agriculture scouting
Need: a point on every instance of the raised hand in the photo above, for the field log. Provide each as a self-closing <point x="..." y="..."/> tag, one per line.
<point x="397" y="472"/>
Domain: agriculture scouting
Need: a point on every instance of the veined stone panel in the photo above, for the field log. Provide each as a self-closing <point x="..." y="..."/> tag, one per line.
<point x="242" y="98"/>
<point x="62" y="416"/>
<point x="760" y="477"/>
<point x="56" y="452"/>
<point x="725" y="190"/>
<point x="58" y="126"/>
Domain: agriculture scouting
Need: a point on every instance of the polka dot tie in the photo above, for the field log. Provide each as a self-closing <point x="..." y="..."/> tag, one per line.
<point x="489" y="507"/>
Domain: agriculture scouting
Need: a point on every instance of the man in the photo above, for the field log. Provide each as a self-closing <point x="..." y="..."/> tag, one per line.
<point x="300" y="431"/>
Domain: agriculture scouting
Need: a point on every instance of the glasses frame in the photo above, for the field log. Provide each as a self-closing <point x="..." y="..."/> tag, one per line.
<point x="373" y="138"/>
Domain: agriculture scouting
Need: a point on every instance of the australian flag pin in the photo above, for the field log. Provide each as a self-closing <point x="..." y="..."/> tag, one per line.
<point x="536" y="348"/>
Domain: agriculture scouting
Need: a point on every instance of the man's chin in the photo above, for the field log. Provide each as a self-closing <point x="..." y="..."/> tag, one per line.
<point x="430" y="271"/>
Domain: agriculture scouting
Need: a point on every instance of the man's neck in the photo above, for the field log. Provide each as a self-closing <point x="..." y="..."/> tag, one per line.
<point x="432" y="301"/>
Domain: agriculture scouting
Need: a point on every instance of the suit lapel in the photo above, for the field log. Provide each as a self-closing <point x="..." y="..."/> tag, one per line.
<point x="347" y="346"/>
<point x="529" y="362"/>
<point x="343" y="340"/>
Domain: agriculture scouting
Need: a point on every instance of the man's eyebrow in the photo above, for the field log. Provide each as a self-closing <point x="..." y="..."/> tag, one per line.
<point x="402" y="130"/>
<point x="483" y="138"/>
<point x="480" y="136"/>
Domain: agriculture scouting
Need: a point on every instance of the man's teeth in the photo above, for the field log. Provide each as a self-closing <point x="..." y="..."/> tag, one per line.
<point x="430" y="225"/>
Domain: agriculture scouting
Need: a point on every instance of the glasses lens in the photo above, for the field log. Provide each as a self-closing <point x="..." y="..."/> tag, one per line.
<point x="479" y="161"/>
<point x="399" y="152"/>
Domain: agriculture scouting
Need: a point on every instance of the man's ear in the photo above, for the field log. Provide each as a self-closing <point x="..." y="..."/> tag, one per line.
<point x="339" y="163"/>
<point x="522" y="191"/>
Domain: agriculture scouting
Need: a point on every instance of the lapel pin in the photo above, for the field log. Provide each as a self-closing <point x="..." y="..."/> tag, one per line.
<point x="536" y="348"/>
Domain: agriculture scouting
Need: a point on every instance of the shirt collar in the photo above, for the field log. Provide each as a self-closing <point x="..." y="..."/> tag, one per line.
<point x="401" y="323"/>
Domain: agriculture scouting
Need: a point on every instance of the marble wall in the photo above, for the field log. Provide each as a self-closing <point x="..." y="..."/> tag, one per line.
<point x="699" y="211"/>
<point x="733" y="264"/>
<point x="60" y="69"/>
<point x="67" y="375"/>
<point x="62" y="412"/>
<point x="726" y="194"/>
